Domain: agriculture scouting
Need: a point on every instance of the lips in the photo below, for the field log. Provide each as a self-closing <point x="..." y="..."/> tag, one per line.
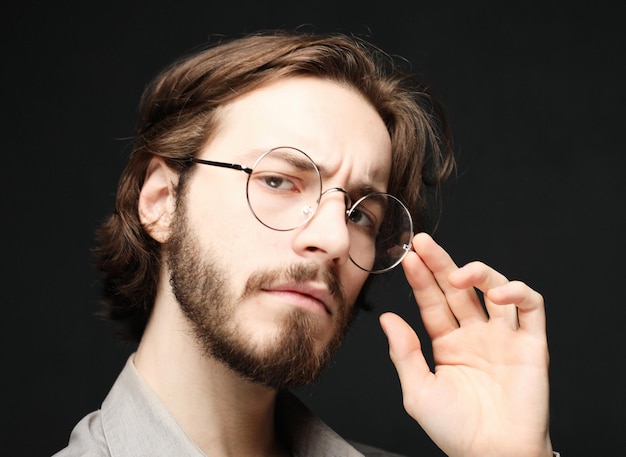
<point x="313" y="292"/>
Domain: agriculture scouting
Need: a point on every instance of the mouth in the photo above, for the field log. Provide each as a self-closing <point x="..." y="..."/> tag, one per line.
<point x="311" y="296"/>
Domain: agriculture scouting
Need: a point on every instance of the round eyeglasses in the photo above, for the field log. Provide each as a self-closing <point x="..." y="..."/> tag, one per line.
<point x="284" y="190"/>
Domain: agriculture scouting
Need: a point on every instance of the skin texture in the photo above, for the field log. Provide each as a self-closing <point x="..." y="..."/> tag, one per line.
<point x="488" y="395"/>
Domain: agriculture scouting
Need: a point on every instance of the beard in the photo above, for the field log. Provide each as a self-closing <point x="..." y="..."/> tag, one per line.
<point x="201" y="287"/>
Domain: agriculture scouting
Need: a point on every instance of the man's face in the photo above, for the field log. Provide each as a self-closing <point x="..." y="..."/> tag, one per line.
<point x="274" y="305"/>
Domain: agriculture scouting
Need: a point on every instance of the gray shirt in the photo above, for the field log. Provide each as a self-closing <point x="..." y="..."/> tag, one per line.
<point x="133" y="422"/>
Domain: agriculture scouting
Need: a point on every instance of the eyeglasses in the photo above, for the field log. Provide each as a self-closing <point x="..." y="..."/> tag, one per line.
<point x="284" y="190"/>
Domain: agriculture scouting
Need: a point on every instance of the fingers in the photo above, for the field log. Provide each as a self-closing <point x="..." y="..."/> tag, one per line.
<point x="442" y="305"/>
<point x="511" y="301"/>
<point x="484" y="278"/>
<point x="528" y="303"/>
<point x="447" y="298"/>
<point x="436" y="314"/>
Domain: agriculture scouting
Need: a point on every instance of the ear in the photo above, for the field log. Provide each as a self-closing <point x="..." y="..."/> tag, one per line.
<point x="157" y="201"/>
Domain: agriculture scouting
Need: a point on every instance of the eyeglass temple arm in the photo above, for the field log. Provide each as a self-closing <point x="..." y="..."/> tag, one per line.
<point x="234" y="166"/>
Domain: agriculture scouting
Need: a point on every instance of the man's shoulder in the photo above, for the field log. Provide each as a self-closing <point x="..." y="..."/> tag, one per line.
<point x="371" y="451"/>
<point x="87" y="439"/>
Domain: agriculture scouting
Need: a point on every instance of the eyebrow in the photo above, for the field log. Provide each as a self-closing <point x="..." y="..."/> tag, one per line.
<point x="358" y="190"/>
<point x="300" y="163"/>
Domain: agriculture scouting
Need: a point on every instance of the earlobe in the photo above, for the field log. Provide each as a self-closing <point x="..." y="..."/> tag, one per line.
<point x="157" y="199"/>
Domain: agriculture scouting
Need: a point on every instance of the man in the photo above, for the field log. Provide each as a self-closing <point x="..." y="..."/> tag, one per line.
<point x="271" y="176"/>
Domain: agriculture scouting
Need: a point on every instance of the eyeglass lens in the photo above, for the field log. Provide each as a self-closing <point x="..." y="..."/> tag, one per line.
<point x="284" y="191"/>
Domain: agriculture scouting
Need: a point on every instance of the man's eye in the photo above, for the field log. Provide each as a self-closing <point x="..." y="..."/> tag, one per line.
<point x="278" y="182"/>
<point x="361" y="219"/>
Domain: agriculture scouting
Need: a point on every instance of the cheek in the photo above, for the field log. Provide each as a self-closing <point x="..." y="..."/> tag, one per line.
<point x="222" y="216"/>
<point x="227" y="227"/>
<point x="352" y="281"/>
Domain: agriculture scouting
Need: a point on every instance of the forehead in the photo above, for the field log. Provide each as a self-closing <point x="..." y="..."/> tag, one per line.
<point x="331" y="122"/>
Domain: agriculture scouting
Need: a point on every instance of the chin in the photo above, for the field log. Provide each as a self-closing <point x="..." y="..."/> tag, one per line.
<point x="292" y="356"/>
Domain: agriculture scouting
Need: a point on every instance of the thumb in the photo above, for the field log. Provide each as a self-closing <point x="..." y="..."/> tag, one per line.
<point x="406" y="354"/>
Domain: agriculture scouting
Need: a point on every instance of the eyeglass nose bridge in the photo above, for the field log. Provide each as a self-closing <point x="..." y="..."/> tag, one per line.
<point x="346" y="196"/>
<point x="309" y="212"/>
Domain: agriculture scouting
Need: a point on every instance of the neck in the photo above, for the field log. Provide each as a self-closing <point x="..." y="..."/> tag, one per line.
<point x="222" y="413"/>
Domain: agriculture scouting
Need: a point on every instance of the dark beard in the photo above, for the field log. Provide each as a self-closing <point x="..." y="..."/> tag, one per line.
<point x="207" y="301"/>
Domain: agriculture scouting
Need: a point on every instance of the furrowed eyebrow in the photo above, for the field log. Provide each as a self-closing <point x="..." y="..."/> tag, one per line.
<point x="299" y="162"/>
<point x="366" y="189"/>
<point x="358" y="190"/>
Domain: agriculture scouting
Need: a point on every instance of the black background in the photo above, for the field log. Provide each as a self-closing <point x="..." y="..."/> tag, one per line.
<point x="535" y="93"/>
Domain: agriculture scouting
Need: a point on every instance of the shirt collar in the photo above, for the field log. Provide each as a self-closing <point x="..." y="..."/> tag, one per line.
<point x="135" y="422"/>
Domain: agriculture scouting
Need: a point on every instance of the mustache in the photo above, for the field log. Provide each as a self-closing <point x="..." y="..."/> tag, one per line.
<point x="296" y="272"/>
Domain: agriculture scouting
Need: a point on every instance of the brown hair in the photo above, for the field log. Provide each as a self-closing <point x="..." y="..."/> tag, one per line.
<point x="177" y="117"/>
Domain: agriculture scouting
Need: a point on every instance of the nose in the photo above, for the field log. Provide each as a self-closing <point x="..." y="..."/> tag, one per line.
<point x="325" y="236"/>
